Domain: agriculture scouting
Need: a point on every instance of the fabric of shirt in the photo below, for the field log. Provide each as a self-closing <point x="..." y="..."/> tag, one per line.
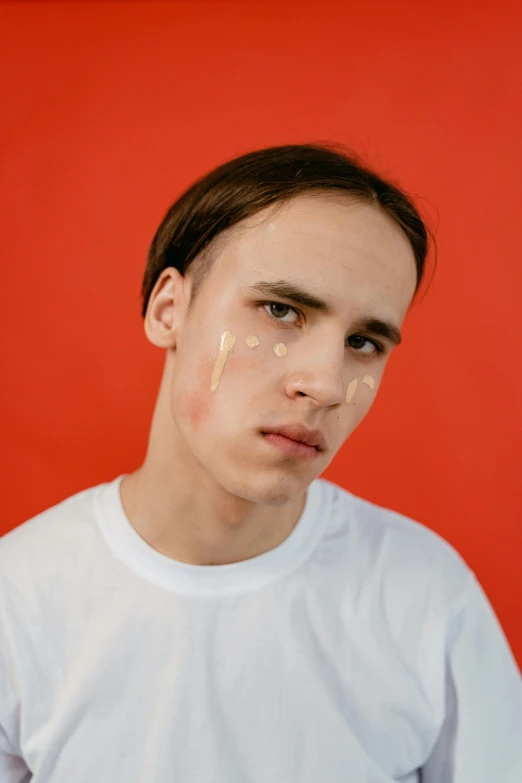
<point x="362" y="649"/>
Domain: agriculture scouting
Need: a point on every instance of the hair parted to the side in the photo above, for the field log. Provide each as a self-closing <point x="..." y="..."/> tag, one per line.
<point x="248" y="184"/>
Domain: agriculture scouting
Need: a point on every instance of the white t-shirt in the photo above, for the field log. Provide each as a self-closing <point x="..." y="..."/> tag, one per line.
<point x="360" y="650"/>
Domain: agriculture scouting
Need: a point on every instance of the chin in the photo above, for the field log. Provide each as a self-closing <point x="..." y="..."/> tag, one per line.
<point x="269" y="489"/>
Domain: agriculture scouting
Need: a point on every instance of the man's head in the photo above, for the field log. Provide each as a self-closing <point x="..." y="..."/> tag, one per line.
<point x="306" y="263"/>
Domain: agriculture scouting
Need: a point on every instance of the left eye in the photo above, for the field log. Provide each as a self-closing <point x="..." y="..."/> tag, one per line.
<point x="366" y="344"/>
<point x="277" y="307"/>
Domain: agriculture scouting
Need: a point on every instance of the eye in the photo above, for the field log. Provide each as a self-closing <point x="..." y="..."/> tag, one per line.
<point x="369" y="347"/>
<point x="362" y="345"/>
<point x="278" y="311"/>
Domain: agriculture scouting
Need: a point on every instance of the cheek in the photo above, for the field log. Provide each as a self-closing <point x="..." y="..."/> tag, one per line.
<point x="363" y="400"/>
<point x="241" y="377"/>
<point x="198" y="409"/>
<point x="194" y="401"/>
<point x="245" y="365"/>
<point x="197" y="401"/>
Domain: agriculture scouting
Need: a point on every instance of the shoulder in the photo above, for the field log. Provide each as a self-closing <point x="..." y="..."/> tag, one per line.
<point x="396" y="550"/>
<point x="58" y="537"/>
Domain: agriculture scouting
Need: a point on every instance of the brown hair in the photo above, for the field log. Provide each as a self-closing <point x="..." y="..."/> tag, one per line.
<point x="247" y="184"/>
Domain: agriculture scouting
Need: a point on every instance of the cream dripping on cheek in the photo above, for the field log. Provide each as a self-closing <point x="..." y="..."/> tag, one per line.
<point x="350" y="391"/>
<point x="352" y="387"/>
<point x="227" y="342"/>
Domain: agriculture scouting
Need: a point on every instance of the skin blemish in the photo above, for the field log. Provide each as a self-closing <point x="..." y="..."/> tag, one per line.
<point x="350" y="391"/>
<point x="198" y="410"/>
<point x="252" y="341"/>
<point x="369" y="381"/>
<point x="228" y="340"/>
<point x="280" y="349"/>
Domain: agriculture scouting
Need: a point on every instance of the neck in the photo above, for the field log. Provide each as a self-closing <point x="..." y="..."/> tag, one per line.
<point x="183" y="512"/>
<point x="203" y="527"/>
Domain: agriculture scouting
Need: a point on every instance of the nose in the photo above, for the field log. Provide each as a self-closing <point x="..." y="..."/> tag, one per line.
<point x="318" y="374"/>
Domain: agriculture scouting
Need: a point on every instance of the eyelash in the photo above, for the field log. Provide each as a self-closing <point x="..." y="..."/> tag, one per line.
<point x="379" y="349"/>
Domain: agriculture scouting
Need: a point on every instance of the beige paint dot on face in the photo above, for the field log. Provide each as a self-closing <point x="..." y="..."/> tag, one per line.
<point x="280" y="349"/>
<point x="350" y="391"/>
<point x="252" y="341"/>
<point x="227" y="342"/>
<point x="369" y="381"/>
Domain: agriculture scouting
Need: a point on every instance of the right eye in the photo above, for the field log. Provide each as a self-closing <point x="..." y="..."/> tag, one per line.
<point x="278" y="311"/>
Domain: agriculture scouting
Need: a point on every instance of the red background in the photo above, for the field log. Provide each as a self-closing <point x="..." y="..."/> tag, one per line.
<point x="112" y="108"/>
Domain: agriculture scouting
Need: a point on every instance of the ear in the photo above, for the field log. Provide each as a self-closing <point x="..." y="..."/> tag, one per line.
<point x="166" y="308"/>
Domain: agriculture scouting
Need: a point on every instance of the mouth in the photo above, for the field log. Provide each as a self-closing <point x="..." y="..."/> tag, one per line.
<point x="296" y="441"/>
<point x="291" y="447"/>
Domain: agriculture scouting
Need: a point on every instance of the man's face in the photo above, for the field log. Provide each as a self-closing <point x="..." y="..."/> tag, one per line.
<point x="348" y="254"/>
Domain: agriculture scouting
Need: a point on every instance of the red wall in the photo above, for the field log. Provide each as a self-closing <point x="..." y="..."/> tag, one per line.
<point x="113" y="108"/>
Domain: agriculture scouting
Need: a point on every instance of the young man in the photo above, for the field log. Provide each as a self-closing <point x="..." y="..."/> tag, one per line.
<point x="223" y="614"/>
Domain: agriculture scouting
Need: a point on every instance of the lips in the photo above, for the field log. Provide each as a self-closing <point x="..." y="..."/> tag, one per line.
<point x="301" y="434"/>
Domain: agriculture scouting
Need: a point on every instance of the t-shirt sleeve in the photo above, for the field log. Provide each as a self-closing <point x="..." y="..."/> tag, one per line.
<point x="12" y="767"/>
<point x="481" y="737"/>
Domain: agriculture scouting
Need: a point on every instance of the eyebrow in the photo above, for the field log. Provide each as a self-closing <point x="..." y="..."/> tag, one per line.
<point x="285" y="289"/>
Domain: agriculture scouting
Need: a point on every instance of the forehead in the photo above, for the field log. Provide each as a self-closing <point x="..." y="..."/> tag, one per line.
<point x="344" y="250"/>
